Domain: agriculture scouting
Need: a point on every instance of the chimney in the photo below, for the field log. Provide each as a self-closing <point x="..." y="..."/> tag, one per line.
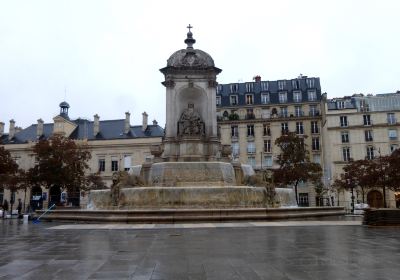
<point x="155" y="122"/>
<point x="257" y="78"/>
<point x="39" y="128"/>
<point x="12" y="130"/>
<point x="1" y="129"/>
<point x="96" y="125"/>
<point x="18" y="129"/>
<point x="144" y="121"/>
<point x="127" y="122"/>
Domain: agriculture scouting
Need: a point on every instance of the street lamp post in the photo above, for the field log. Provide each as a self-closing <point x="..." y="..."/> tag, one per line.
<point x="352" y="194"/>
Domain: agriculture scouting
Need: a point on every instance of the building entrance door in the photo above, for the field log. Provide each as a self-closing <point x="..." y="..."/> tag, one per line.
<point x="375" y="199"/>
<point x="54" y="195"/>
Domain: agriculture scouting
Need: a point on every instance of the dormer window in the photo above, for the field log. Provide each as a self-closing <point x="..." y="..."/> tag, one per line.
<point x="219" y="89"/>
<point x="234" y="88"/>
<point x="310" y="83"/>
<point x="264" y="98"/>
<point x="340" y="104"/>
<point x="281" y="85"/>
<point x="312" y="95"/>
<point x="249" y="99"/>
<point x="218" y="100"/>
<point x="282" y="97"/>
<point x="249" y="87"/>
<point x="234" y="100"/>
<point x="295" y="84"/>
<point x="297" y="96"/>
<point x="264" y="86"/>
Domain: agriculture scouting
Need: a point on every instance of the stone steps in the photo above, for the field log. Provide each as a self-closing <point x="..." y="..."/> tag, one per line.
<point x="190" y="215"/>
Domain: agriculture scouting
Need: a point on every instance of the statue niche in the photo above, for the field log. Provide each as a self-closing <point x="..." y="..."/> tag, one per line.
<point x="190" y="123"/>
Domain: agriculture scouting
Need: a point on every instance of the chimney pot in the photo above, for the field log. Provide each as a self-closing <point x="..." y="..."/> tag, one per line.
<point x="11" y="133"/>
<point x="144" y="121"/>
<point x="127" y="122"/>
<point x="1" y="129"/>
<point x="39" y="129"/>
<point x="155" y="122"/>
<point x="96" y="125"/>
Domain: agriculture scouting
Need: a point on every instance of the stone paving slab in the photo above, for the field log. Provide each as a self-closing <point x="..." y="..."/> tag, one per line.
<point x="261" y="250"/>
<point x="208" y="225"/>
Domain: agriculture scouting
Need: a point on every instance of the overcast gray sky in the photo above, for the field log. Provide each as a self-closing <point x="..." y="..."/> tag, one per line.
<point x="107" y="54"/>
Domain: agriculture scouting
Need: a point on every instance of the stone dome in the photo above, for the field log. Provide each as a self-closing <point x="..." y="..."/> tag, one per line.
<point x="64" y="104"/>
<point x="190" y="58"/>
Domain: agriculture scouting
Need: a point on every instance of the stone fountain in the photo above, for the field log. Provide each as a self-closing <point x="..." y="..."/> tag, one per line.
<point x="190" y="169"/>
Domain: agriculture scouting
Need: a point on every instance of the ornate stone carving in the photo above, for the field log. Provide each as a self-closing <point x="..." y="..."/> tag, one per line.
<point x="212" y="84"/>
<point x="226" y="150"/>
<point x="190" y="122"/>
<point x="156" y="150"/>
<point x="169" y="83"/>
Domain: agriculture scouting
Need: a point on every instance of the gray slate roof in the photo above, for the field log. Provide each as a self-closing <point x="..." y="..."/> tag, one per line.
<point x="109" y="129"/>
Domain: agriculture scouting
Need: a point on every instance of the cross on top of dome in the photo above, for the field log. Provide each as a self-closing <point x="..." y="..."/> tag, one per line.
<point x="189" y="40"/>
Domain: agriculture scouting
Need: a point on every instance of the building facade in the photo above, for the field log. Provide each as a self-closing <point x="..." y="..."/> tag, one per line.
<point x="114" y="145"/>
<point x="252" y="115"/>
<point x="361" y="127"/>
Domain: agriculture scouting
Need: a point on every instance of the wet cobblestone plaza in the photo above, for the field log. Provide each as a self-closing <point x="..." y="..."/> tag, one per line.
<point x="280" y="250"/>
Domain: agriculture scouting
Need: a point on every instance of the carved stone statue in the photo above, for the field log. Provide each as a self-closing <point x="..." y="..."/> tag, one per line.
<point x="115" y="189"/>
<point x="190" y="122"/>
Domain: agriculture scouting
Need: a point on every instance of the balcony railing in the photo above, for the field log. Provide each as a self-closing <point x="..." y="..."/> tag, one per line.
<point x="314" y="113"/>
<point x="251" y="150"/>
<point x="392" y="121"/>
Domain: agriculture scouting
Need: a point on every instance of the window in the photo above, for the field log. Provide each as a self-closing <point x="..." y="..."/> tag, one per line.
<point x="368" y="135"/>
<point x="251" y="160"/>
<point x="296" y="84"/>
<point x="281" y="85"/>
<point x="314" y="127"/>
<point x="102" y="165"/>
<point x="364" y="106"/>
<point x="265" y="113"/>
<point x="282" y="97"/>
<point x="264" y="86"/>
<point x="249" y="99"/>
<point x="299" y="128"/>
<point x="317" y="158"/>
<point x="285" y="128"/>
<point x="114" y="164"/>
<point x="367" y="119"/>
<point x="267" y="146"/>
<point x="297" y="111"/>
<point x="370" y="152"/>
<point x="267" y="130"/>
<point x="234" y="88"/>
<point x="218" y="100"/>
<point x="391" y="118"/>
<point x="393" y="147"/>
<point x="312" y="95"/>
<point x="219" y="89"/>
<point x="264" y="98"/>
<point x="127" y="162"/>
<point x="250" y="130"/>
<point x="297" y="96"/>
<point x="250" y="114"/>
<point x="235" y="149"/>
<point x="310" y="83"/>
<point x="234" y="100"/>
<point x="303" y="200"/>
<point x="284" y="112"/>
<point x="268" y="161"/>
<point x="346" y="153"/>
<point x="315" y="143"/>
<point x="249" y="87"/>
<point x="392" y="134"/>
<point x="340" y="104"/>
<point x="234" y="131"/>
<point x="345" y="136"/>
<point x="313" y="110"/>
<point x="343" y="121"/>
<point x="251" y="148"/>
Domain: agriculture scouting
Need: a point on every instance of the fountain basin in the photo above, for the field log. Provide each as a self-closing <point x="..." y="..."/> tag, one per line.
<point x="182" y="197"/>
